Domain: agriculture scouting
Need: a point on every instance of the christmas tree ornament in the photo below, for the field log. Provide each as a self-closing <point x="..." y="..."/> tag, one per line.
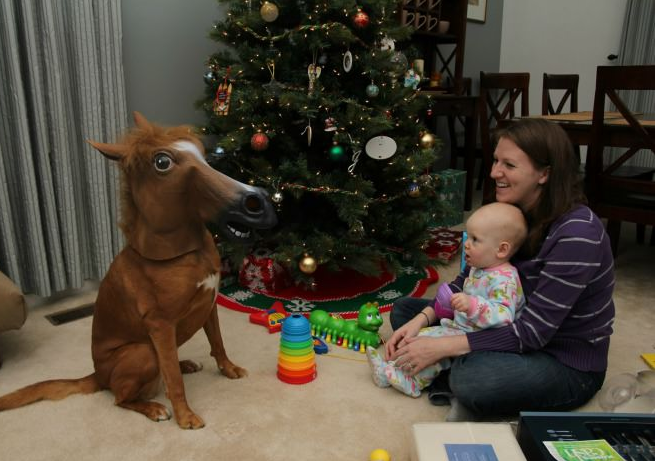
<point x="308" y="130"/>
<point x="209" y="77"/>
<point x="372" y="90"/>
<point x="347" y="61"/>
<point x="427" y="140"/>
<point x="399" y="64"/>
<point x="313" y="72"/>
<point x="412" y="79"/>
<point x="413" y="190"/>
<point x="307" y="264"/>
<point x="274" y="88"/>
<point x="218" y="152"/>
<point x="361" y="19"/>
<point x="337" y="151"/>
<point x="269" y="11"/>
<point x="259" y="141"/>
<point x="330" y="124"/>
<point x="387" y="44"/>
<point x="221" y="103"/>
<point x="425" y="180"/>
<point x="380" y="147"/>
<point x="277" y="197"/>
<point x="429" y="112"/>
<point x="323" y="59"/>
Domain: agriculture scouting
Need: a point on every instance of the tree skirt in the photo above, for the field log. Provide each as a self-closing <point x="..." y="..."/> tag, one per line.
<point x="342" y="292"/>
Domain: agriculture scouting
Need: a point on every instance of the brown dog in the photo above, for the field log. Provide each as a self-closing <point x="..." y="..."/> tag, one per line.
<point x="160" y="290"/>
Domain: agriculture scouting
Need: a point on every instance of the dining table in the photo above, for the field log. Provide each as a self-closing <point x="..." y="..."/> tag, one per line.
<point x="578" y="126"/>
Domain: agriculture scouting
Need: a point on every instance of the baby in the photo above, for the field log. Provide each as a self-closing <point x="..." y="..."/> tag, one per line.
<point x="491" y="297"/>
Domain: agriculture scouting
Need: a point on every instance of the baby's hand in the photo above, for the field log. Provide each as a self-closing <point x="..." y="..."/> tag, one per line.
<point x="460" y="302"/>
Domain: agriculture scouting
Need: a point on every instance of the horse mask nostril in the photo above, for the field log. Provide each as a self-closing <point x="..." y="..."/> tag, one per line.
<point x="253" y="204"/>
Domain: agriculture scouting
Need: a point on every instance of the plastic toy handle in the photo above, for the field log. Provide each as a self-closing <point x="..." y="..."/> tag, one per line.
<point x="444" y="294"/>
<point x="442" y="305"/>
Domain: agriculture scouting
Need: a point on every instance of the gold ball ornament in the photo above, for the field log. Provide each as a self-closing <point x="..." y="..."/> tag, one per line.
<point x="427" y="141"/>
<point x="269" y="11"/>
<point x="307" y="265"/>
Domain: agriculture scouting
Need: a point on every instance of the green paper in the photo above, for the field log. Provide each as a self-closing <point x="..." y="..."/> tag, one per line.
<point x="583" y="450"/>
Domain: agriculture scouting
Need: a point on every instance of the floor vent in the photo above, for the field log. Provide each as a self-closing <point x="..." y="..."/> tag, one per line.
<point x="70" y="315"/>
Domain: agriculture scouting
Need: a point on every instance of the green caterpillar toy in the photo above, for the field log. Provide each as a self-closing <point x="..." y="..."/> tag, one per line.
<point x="350" y="334"/>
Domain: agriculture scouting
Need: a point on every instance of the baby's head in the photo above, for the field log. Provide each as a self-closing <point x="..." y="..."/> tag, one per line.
<point x="494" y="233"/>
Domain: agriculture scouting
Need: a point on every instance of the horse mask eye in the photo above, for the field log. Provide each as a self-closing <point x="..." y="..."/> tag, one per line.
<point x="163" y="162"/>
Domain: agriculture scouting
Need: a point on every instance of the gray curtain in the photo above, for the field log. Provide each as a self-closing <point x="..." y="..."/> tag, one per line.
<point x="61" y="83"/>
<point x="638" y="48"/>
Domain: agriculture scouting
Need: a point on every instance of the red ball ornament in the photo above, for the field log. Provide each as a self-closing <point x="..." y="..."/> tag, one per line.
<point x="361" y="19"/>
<point x="259" y="141"/>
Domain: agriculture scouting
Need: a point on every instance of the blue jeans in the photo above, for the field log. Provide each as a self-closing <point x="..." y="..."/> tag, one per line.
<point x="505" y="383"/>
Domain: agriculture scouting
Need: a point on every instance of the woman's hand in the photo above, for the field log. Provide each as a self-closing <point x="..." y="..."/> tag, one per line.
<point x="418" y="352"/>
<point x="400" y="336"/>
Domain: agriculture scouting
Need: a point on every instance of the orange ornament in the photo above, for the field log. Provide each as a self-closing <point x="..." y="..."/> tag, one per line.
<point x="259" y="141"/>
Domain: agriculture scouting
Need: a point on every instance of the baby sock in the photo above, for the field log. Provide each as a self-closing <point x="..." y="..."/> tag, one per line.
<point x="402" y="382"/>
<point x="377" y="367"/>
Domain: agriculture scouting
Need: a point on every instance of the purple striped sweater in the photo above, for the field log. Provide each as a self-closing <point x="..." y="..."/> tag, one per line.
<point x="568" y="286"/>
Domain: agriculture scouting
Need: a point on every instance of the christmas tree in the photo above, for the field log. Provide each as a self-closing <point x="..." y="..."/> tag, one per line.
<point x="315" y="102"/>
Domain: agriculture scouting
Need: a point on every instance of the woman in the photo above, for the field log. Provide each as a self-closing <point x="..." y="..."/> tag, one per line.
<point x="554" y="356"/>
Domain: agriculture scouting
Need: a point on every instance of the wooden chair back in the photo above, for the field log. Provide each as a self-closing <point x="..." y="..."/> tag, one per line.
<point x="499" y="96"/>
<point x="566" y="82"/>
<point x="613" y="193"/>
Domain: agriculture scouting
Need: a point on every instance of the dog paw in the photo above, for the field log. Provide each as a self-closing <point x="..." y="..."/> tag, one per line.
<point x="189" y="366"/>
<point x="157" y="412"/>
<point x="190" y="421"/>
<point x="233" y="371"/>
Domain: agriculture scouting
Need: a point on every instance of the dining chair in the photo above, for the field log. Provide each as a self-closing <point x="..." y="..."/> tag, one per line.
<point x="499" y="95"/>
<point x="552" y="87"/>
<point x="559" y="82"/>
<point x="612" y="193"/>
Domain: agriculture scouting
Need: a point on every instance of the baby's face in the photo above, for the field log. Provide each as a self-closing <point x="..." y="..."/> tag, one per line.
<point x="482" y="243"/>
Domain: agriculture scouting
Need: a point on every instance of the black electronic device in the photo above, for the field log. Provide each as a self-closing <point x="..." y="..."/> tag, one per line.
<point x="631" y="435"/>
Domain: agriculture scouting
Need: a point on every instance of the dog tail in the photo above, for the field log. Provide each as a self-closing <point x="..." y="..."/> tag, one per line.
<point x="55" y="389"/>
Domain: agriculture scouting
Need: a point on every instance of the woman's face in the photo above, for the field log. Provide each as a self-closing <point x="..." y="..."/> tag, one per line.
<point x="517" y="180"/>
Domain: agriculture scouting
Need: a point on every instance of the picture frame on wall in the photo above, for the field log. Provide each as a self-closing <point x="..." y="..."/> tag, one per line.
<point x="477" y="10"/>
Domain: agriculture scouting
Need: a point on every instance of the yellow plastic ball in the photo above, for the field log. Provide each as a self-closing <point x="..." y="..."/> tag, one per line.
<point x="380" y="455"/>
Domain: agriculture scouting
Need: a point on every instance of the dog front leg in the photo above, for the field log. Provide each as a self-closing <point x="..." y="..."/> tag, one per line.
<point x="213" y="332"/>
<point x="162" y="334"/>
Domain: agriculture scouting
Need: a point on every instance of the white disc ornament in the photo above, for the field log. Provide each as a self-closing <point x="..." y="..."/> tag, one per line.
<point x="380" y="147"/>
<point x="347" y="61"/>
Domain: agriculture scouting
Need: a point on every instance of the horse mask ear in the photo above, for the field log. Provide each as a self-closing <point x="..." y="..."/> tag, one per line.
<point x="111" y="151"/>
<point x="117" y="151"/>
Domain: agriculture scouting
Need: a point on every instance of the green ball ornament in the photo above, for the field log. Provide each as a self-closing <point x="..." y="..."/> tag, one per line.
<point x="337" y="152"/>
<point x="372" y="90"/>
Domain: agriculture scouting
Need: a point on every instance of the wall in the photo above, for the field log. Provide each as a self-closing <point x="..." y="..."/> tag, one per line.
<point x="560" y="36"/>
<point x="483" y="44"/>
<point x="165" y="47"/>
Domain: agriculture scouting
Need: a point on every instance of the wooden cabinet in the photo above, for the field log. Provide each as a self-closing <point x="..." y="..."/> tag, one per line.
<point x="442" y="50"/>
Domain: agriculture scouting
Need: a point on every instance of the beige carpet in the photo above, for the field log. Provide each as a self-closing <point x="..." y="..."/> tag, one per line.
<point x="339" y="416"/>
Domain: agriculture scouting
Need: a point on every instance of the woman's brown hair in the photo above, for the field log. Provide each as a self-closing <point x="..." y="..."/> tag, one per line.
<point x="548" y="146"/>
